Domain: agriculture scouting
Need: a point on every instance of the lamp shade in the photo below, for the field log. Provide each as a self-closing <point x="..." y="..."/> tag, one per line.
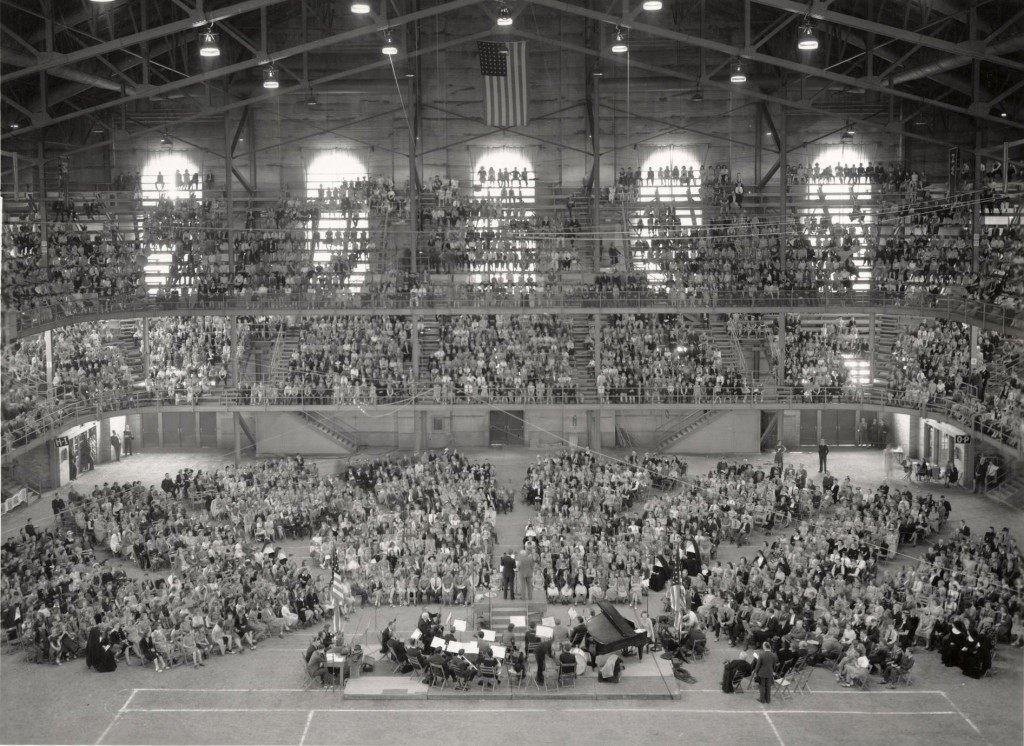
<point x="270" y="77"/>
<point x="208" y="46"/>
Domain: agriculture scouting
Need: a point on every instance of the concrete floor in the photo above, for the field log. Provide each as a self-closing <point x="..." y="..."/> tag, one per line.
<point x="257" y="697"/>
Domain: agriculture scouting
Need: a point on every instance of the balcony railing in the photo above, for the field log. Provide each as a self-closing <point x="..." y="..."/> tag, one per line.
<point x="52" y="416"/>
<point x="581" y="298"/>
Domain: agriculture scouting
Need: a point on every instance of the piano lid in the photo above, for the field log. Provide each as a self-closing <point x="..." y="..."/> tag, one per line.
<point x="611" y="631"/>
<point x="619" y="623"/>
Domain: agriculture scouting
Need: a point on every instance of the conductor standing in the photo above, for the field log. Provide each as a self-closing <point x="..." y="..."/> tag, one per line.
<point x="508" y="576"/>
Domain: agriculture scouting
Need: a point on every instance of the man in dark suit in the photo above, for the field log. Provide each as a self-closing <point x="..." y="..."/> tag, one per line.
<point x="765" y="673"/>
<point x="508" y="576"/>
<point x="822" y="456"/>
<point x="541" y="653"/>
<point x="526" y="575"/>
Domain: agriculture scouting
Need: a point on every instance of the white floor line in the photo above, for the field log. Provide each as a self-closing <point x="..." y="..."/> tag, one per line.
<point x="966" y="719"/>
<point x="774" y="729"/>
<point x="305" y="731"/>
<point x="473" y="711"/>
<point x="117" y="716"/>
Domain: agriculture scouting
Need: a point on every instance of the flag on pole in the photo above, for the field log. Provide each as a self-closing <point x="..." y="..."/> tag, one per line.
<point x="337" y="593"/>
<point x="503" y="67"/>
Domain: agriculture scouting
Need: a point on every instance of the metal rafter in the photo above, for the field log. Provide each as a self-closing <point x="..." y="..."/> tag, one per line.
<point x="973" y="50"/>
<point x="340" y="38"/>
<point x="747" y="53"/>
<point x="196" y="20"/>
<point x="271" y="95"/>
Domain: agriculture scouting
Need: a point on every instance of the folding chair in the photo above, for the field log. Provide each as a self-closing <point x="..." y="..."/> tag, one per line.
<point x="697" y="649"/>
<point x="903" y="674"/>
<point x="783" y="687"/>
<point x="737" y="682"/>
<point x="801" y="683"/>
<point x="437" y="675"/>
<point x="417" y="669"/>
<point x="488" y="677"/>
<point x="566" y="673"/>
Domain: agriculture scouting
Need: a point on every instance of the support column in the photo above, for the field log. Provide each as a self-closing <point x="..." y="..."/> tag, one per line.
<point x="595" y="181"/>
<point x="229" y="203"/>
<point x="44" y="248"/>
<point x="781" y="373"/>
<point x="415" y="347"/>
<point x="872" y="323"/>
<point x="783" y="136"/>
<point x="145" y="346"/>
<point x="48" y="352"/>
<point x="233" y="370"/>
<point x="237" y="449"/>
<point x="414" y="191"/>
<point x="598" y="343"/>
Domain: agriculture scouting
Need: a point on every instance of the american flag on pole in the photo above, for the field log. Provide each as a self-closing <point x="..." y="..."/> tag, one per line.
<point x="503" y="67"/>
<point x="337" y="594"/>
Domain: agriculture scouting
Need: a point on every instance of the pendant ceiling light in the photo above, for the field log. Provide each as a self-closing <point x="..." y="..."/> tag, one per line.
<point x="389" y="47"/>
<point x="808" y="37"/>
<point x="738" y="74"/>
<point x="208" y="46"/>
<point x="504" y="16"/>
<point x="620" y="46"/>
<point x="270" y="77"/>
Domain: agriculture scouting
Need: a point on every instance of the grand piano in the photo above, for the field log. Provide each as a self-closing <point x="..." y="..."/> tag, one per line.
<point x="610" y="631"/>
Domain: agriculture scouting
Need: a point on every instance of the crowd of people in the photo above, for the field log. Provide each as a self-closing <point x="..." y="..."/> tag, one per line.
<point x="391" y="531"/>
<point x="344" y="360"/>
<point x="654" y="359"/>
<point x="79" y="264"/>
<point x="189" y="356"/>
<point x="814" y="364"/>
<point x="506" y="358"/>
<point x="818" y="588"/>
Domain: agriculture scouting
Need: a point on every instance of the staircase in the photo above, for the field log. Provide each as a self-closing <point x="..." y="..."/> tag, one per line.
<point x="334" y="431"/>
<point x="429" y="342"/>
<point x="623" y="439"/>
<point x="887" y="331"/>
<point x="495" y="613"/>
<point x="1010" y="492"/>
<point x="688" y="424"/>
<point x="584" y="373"/>
<point x="727" y="344"/>
<point x="130" y="346"/>
<point x="286" y="344"/>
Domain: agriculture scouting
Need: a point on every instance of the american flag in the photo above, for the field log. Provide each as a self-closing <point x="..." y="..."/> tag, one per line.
<point x="337" y="594"/>
<point x="503" y="67"/>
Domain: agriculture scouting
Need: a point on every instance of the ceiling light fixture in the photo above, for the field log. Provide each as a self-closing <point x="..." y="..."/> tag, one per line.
<point x="15" y="125"/>
<point x="166" y="140"/>
<point x="311" y="100"/>
<point x="270" y="77"/>
<point x="698" y="96"/>
<point x="103" y="1"/>
<point x="389" y="47"/>
<point x="208" y="45"/>
<point x="808" y="37"/>
<point x="504" y="16"/>
<point x="360" y="8"/>
<point x="850" y="130"/>
<point x="738" y="75"/>
<point x="620" y="46"/>
<point x="652" y="5"/>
